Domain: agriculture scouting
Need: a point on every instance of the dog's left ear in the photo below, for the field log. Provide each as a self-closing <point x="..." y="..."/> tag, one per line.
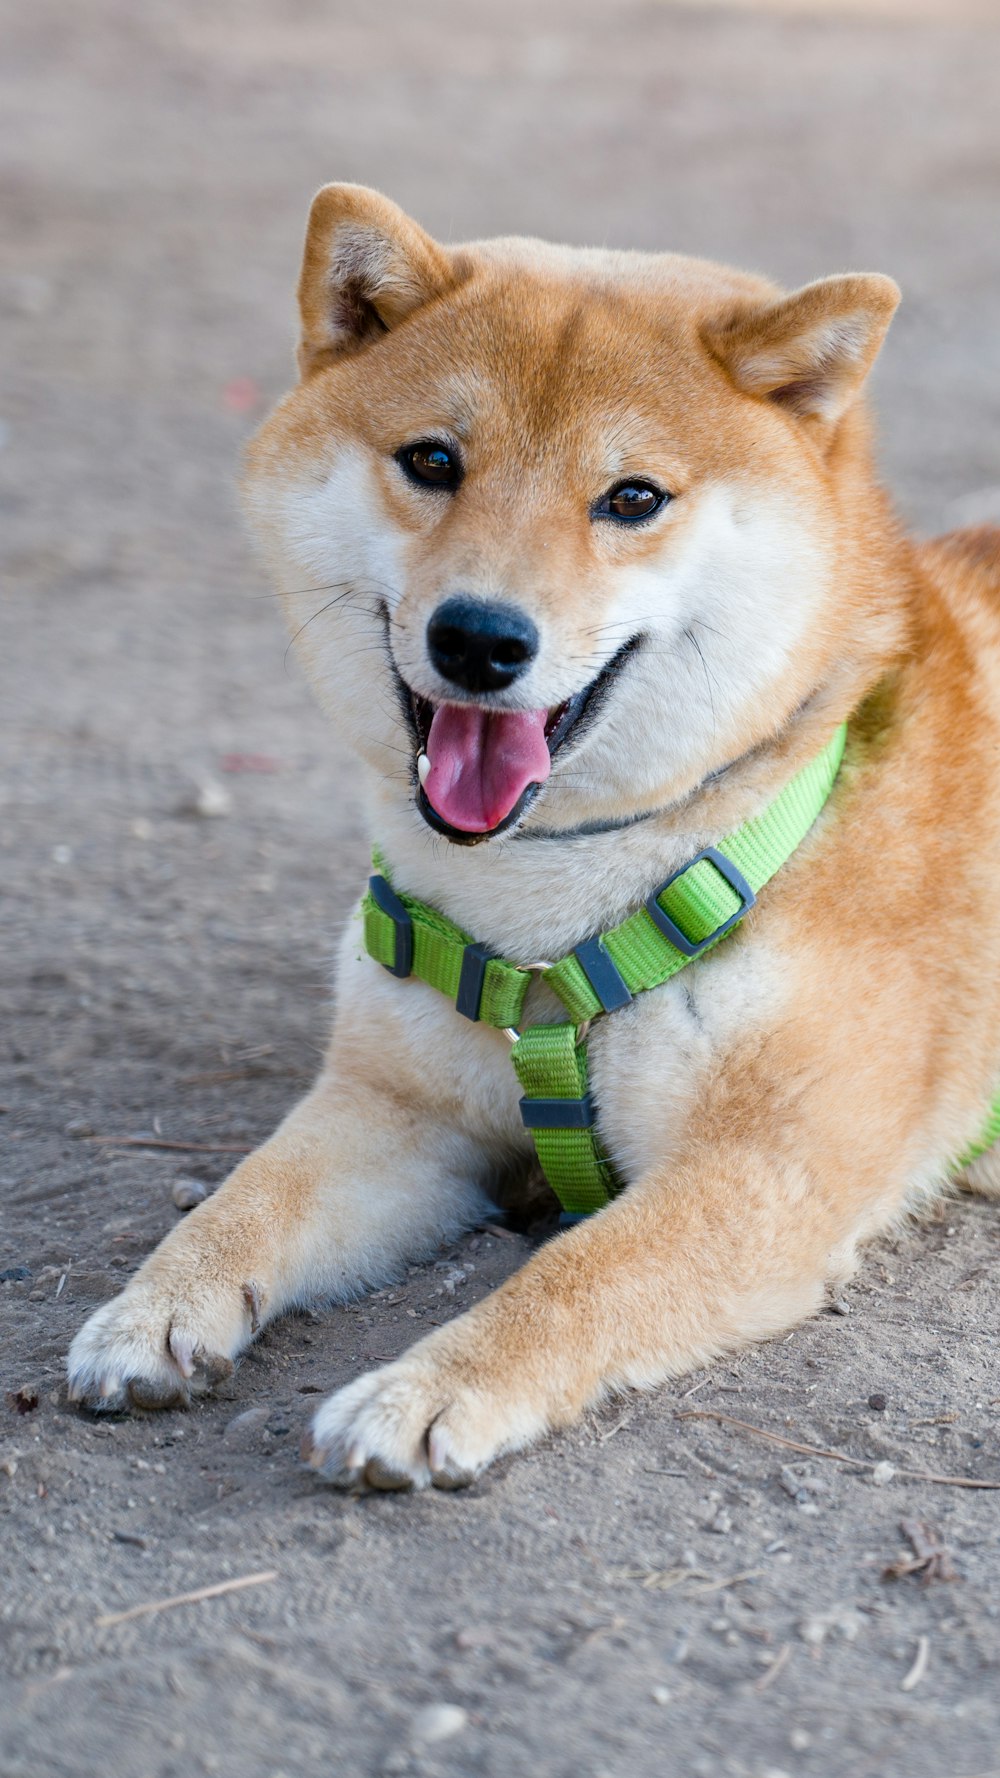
<point x="809" y="352"/>
<point x="366" y="266"/>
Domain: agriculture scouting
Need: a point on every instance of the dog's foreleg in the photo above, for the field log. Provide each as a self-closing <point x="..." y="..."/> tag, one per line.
<point x="358" y="1180"/>
<point x="731" y="1248"/>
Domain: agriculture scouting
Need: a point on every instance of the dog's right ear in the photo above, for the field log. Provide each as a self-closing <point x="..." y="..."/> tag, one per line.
<point x="366" y="267"/>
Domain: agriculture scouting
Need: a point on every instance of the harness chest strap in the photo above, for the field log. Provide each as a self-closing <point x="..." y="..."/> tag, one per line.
<point x="688" y="914"/>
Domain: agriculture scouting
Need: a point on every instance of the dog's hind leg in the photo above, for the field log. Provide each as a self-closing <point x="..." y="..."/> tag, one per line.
<point x="982" y="1175"/>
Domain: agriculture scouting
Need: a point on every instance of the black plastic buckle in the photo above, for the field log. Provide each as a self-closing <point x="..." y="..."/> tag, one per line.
<point x="603" y="974"/>
<point x="673" y="932"/>
<point x="388" y="901"/>
<point x="558" y="1114"/>
<point x="471" y="979"/>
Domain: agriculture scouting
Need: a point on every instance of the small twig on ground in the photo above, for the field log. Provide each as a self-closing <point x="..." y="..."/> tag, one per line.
<point x="163" y="1142"/>
<point x="778" y="1665"/>
<point x="213" y="1592"/>
<point x="732" y="1580"/>
<point x="791" y="1444"/>
<point x="919" y="1667"/>
<point x="707" y="1378"/>
<point x="663" y="1580"/>
<point x="602" y="1437"/>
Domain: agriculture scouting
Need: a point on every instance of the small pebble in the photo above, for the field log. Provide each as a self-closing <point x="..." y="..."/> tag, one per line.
<point x="80" y="1126"/>
<point x="22" y="1401"/>
<point x="839" y="1306"/>
<point x="877" y="1403"/>
<point x="799" y="1740"/>
<point x="187" y="1192"/>
<point x="660" y="1694"/>
<point x="882" y="1473"/>
<point x="438" y="1722"/>
<point x="207" y="798"/>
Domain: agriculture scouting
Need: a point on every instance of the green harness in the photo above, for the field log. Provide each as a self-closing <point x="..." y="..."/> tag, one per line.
<point x="688" y="914"/>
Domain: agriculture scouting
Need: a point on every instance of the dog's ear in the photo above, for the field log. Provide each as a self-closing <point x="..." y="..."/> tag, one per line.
<point x="366" y="267"/>
<point x="809" y="352"/>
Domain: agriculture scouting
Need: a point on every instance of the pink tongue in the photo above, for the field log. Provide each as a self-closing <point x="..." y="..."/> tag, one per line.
<point x="481" y="761"/>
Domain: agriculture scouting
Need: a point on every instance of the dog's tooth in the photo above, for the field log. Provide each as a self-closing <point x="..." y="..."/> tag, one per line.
<point x="423" y="767"/>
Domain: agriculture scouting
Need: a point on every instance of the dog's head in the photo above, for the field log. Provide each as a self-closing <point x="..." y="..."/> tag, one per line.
<point x="562" y="531"/>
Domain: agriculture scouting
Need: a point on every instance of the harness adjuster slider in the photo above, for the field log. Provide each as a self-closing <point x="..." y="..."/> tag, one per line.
<point x="670" y="930"/>
<point x="388" y="902"/>
<point x="558" y="1114"/>
<point x="470" y="982"/>
<point x="603" y="974"/>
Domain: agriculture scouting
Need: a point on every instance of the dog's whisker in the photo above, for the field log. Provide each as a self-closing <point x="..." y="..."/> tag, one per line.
<point x="689" y="632"/>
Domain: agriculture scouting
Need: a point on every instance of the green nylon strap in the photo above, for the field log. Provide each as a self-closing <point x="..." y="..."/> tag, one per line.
<point x="551" y="1064"/>
<point x="700" y="900"/>
<point x="438" y="949"/>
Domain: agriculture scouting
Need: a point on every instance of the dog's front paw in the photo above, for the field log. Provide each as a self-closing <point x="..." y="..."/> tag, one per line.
<point x="158" y="1343"/>
<point x="421" y="1421"/>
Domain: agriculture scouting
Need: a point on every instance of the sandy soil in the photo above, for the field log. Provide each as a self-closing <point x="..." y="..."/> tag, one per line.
<point x="652" y="1594"/>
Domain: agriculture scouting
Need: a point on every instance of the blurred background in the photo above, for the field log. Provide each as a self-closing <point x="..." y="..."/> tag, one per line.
<point x="181" y="841"/>
<point x="158" y="164"/>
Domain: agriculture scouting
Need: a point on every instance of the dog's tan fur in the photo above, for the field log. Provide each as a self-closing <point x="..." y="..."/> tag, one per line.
<point x="790" y="1094"/>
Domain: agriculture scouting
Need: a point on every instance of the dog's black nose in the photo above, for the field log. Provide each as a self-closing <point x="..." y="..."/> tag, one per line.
<point x="479" y="645"/>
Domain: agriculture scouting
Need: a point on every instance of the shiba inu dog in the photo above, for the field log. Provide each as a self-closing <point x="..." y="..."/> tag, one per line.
<point x="596" y="567"/>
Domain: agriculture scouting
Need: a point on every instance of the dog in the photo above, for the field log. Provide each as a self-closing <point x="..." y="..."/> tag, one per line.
<point x="597" y="570"/>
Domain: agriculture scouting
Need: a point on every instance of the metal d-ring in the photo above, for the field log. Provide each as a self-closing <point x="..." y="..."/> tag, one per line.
<point x="511" y="1032"/>
<point x="513" y="1035"/>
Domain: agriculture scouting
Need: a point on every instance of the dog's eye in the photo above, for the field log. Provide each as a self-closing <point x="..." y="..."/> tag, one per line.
<point x="631" y="501"/>
<point x="431" y="464"/>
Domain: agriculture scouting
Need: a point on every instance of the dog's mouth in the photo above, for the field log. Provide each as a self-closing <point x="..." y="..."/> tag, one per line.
<point x="479" y="769"/>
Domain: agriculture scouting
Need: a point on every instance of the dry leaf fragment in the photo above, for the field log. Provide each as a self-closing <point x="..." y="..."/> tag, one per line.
<point x="930" y="1558"/>
<point x="22" y="1401"/>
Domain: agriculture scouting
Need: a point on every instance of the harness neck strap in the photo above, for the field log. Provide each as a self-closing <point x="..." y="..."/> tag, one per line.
<point x="689" y="913"/>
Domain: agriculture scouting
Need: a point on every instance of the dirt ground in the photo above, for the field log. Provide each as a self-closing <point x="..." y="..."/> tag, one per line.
<point x="652" y="1594"/>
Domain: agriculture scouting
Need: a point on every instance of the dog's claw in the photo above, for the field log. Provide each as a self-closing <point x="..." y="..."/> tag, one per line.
<point x="182" y="1352"/>
<point x="385" y="1478"/>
